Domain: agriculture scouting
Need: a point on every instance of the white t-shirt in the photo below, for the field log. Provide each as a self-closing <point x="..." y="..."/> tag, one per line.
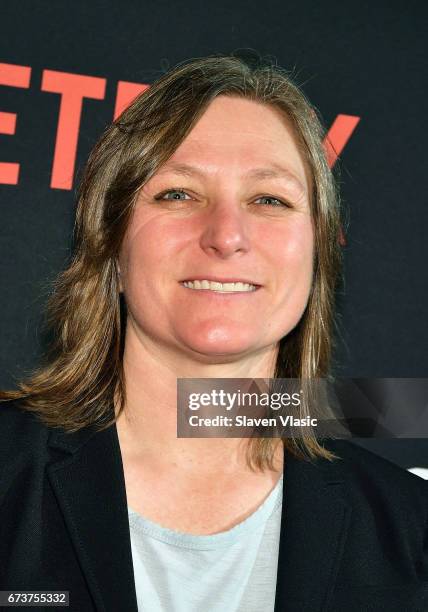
<point x="231" y="571"/>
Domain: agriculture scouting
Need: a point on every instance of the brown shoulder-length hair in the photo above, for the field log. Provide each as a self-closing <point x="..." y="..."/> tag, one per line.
<point x="81" y="375"/>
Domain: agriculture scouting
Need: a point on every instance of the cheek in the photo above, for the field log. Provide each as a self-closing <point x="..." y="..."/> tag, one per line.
<point x="291" y="249"/>
<point x="292" y="259"/>
<point x="299" y="251"/>
<point x="149" y="246"/>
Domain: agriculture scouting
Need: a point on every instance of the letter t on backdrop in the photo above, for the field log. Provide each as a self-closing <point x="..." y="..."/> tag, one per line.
<point x="72" y="88"/>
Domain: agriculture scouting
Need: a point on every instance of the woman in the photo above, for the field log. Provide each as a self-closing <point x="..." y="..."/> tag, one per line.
<point x="216" y="175"/>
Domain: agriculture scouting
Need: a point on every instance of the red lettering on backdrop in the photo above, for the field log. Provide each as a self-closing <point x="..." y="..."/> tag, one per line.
<point x="126" y="93"/>
<point x="334" y="143"/>
<point x="11" y="75"/>
<point x="338" y="135"/>
<point x="72" y="88"/>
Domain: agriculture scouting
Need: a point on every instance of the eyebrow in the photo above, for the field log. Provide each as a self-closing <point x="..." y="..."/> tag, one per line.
<point x="273" y="171"/>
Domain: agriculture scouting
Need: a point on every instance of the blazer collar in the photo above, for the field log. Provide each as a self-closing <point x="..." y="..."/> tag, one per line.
<point x="88" y="481"/>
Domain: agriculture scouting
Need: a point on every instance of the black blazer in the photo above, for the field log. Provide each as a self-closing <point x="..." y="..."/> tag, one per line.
<point x="353" y="534"/>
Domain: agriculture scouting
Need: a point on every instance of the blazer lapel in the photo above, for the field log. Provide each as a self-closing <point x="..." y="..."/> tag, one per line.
<point x="90" y="488"/>
<point x="315" y="520"/>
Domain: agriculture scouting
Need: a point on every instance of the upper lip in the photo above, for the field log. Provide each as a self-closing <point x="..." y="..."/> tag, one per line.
<point x="222" y="279"/>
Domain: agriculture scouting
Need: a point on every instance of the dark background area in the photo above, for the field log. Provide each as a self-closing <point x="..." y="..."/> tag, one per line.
<point x="366" y="59"/>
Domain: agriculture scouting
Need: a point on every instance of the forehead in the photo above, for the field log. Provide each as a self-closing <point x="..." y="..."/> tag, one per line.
<point x="236" y="134"/>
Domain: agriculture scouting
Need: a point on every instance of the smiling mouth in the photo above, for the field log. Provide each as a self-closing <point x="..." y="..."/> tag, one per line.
<point x="217" y="287"/>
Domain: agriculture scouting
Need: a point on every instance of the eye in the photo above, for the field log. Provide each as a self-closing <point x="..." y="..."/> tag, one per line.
<point x="176" y="194"/>
<point x="271" y="201"/>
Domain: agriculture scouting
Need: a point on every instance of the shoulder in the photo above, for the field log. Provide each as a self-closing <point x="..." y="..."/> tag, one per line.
<point x="23" y="441"/>
<point x="18" y="425"/>
<point x="371" y="479"/>
<point x="363" y="466"/>
<point x="358" y="460"/>
<point x="387" y="509"/>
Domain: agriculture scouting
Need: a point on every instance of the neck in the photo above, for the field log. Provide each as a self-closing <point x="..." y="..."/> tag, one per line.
<point x="147" y="427"/>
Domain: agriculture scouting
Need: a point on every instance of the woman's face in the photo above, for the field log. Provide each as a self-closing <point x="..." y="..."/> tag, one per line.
<point x="231" y="204"/>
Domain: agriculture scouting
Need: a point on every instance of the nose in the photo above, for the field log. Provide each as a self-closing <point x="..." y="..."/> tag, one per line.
<point x="225" y="230"/>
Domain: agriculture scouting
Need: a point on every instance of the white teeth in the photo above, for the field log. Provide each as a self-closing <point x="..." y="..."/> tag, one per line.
<point x="222" y="287"/>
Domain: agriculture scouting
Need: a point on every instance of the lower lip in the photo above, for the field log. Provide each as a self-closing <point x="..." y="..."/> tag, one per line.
<point x="212" y="292"/>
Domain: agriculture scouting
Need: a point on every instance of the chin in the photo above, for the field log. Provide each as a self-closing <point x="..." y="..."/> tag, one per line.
<point x="218" y="343"/>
